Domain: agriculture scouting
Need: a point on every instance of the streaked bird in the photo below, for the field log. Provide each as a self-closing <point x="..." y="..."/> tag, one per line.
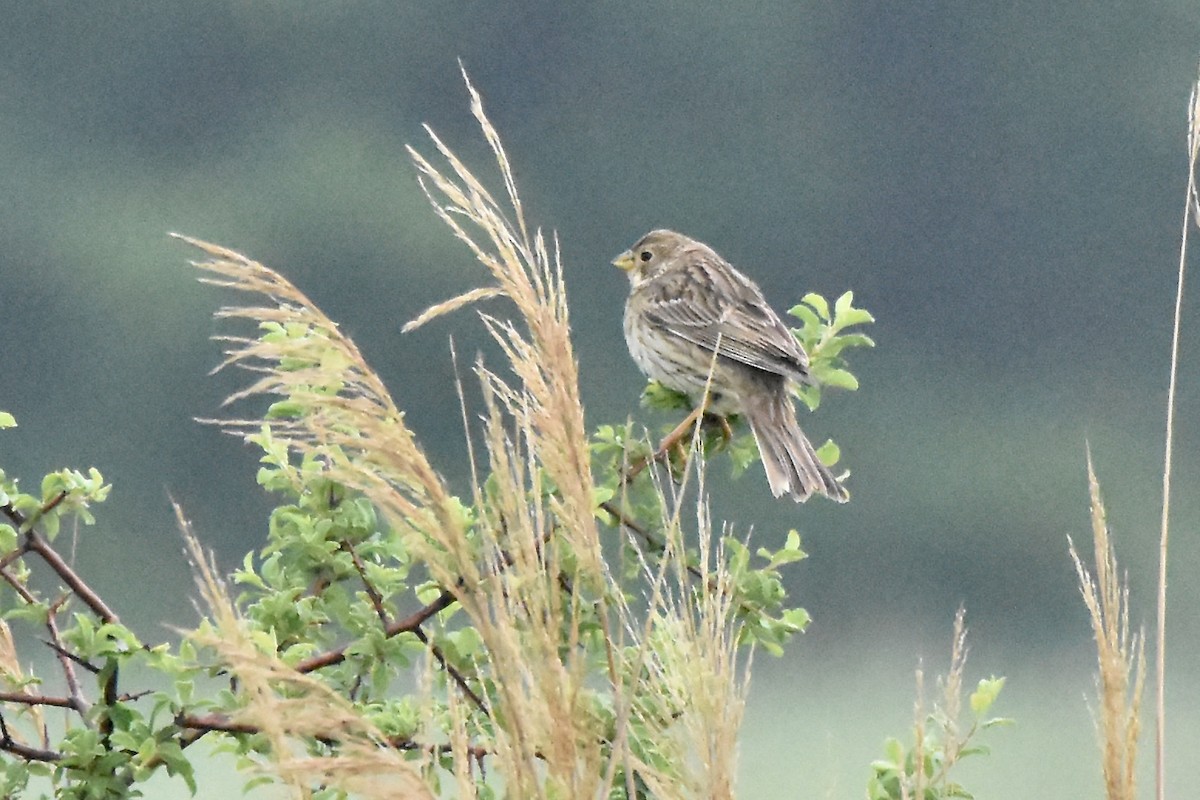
<point x="687" y="303"/>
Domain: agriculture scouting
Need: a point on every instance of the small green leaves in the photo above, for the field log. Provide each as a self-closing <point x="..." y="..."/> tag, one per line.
<point x="824" y="333"/>
<point x="359" y="600"/>
<point x="743" y="451"/>
<point x="824" y="338"/>
<point x="985" y="694"/>
<point x="818" y="304"/>
<point x="840" y="378"/>
<point x="845" y="314"/>
<point x="659" y="398"/>
<point x="790" y="553"/>
<point x="759" y="594"/>
<point x="829" y="453"/>
<point x="940" y="739"/>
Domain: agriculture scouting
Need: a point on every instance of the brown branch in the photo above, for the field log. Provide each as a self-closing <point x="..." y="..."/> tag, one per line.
<point x="36" y="700"/>
<point x="17" y="586"/>
<point x="395" y="628"/>
<point x="377" y="602"/>
<point x="110" y="700"/>
<point x="451" y="670"/>
<point x="13" y="556"/>
<point x="372" y="592"/>
<point x="67" y="659"/>
<point x="207" y="723"/>
<point x="477" y="752"/>
<point x="410" y="624"/>
<point x="220" y="723"/>
<point x="625" y="521"/>
<point x="37" y="544"/>
<point x="10" y="745"/>
<point x="67" y="654"/>
<point x="50" y="505"/>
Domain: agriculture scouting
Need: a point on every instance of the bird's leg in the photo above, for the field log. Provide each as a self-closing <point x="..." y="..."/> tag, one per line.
<point x="721" y="421"/>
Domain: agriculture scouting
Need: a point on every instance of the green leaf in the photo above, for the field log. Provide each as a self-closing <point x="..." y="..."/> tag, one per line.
<point x="286" y="409"/>
<point x="854" y="316"/>
<point x="743" y="451"/>
<point x="793" y="540"/>
<point x="998" y="722"/>
<point x="818" y="303"/>
<point x="985" y="694"/>
<point x="810" y="323"/>
<point x="659" y="397"/>
<point x="50" y="525"/>
<point x="855" y="340"/>
<point x="602" y="494"/>
<point x="797" y="619"/>
<point x="839" y="378"/>
<point x="829" y="453"/>
<point x="177" y="763"/>
<point x="843" y="304"/>
<point x="832" y="348"/>
<point x="845" y="314"/>
<point x="975" y="750"/>
<point x="809" y="395"/>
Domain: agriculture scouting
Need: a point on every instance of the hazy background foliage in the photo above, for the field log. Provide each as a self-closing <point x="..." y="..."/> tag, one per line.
<point x="1001" y="184"/>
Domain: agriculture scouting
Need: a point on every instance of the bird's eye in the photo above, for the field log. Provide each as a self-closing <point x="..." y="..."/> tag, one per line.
<point x="647" y="255"/>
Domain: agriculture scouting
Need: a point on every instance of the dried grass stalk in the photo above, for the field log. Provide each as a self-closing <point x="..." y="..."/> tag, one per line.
<point x="528" y="569"/>
<point x="1121" y="655"/>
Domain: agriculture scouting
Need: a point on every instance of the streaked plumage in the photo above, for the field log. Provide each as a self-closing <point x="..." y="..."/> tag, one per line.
<point x="685" y="303"/>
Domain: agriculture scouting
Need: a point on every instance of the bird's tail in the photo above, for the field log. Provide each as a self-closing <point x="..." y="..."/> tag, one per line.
<point x="791" y="463"/>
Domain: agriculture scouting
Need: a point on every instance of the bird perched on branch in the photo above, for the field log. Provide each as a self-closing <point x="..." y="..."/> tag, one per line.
<point x="690" y="315"/>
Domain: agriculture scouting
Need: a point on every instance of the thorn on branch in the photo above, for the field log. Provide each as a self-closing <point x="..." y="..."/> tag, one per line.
<point x="10" y="745"/>
<point x="67" y="654"/>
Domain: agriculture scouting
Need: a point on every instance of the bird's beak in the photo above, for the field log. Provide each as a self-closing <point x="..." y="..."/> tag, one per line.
<point x="625" y="261"/>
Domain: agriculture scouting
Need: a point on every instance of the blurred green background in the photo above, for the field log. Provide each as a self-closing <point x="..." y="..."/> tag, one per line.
<point x="1002" y="184"/>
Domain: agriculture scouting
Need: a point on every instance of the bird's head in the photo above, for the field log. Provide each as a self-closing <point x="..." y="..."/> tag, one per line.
<point x="654" y="252"/>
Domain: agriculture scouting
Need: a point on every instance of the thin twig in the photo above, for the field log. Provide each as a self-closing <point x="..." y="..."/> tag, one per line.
<point x="372" y="592"/>
<point x="377" y="602"/>
<point x="66" y="659"/>
<point x="451" y="670"/>
<point x="35" y="543"/>
<point x="17" y="586"/>
<point x="13" y="556"/>
<point x="65" y="653"/>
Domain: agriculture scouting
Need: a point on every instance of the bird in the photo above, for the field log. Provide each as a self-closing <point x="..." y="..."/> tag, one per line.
<point x="690" y="314"/>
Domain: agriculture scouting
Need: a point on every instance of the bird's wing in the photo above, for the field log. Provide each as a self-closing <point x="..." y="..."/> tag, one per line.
<point x="722" y="310"/>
